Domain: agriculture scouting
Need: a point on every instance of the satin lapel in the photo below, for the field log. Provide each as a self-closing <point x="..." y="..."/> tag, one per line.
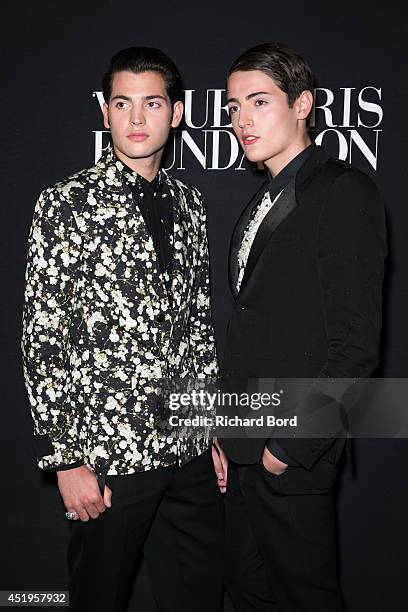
<point x="283" y="206"/>
<point x="287" y="202"/>
<point x="237" y="237"/>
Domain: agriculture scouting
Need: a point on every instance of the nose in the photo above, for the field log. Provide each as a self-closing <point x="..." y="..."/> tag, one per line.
<point x="245" y="118"/>
<point x="137" y="116"/>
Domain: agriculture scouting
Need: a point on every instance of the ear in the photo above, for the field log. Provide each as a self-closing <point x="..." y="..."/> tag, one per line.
<point x="304" y="104"/>
<point x="105" y="110"/>
<point x="178" y="109"/>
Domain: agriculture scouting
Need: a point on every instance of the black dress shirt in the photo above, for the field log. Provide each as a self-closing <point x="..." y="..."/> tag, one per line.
<point x="155" y="203"/>
<point x="279" y="182"/>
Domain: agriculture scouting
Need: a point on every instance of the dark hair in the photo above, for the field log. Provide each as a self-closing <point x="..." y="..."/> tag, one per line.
<point x="144" y="59"/>
<point x="290" y="71"/>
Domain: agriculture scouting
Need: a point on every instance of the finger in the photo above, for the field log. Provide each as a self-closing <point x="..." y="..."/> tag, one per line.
<point x="222" y="485"/>
<point x="267" y="452"/>
<point x="217" y="464"/>
<point x="92" y="510"/>
<point x="83" y="514"/>
<point x="99" y="503"/>
<point x="95" y="499"/>
<point x="107" y="496"/>
<point x="72" y="509"/>
<point x="224" y="462"/>
<point x="215" y="454"/>
<point x="215" y="447"/>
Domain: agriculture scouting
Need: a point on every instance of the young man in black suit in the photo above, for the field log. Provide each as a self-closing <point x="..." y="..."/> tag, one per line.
<point x="306" y="270"/>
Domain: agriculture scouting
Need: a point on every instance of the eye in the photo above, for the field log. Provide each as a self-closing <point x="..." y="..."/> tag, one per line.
<point x="121" y="105"/>
<point x="232" y="109"/>
<point x="153" y="104"/>
<point x="260" y="102"/>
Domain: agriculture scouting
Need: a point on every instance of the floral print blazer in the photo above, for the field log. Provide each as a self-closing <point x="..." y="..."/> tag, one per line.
<point x="101" y="323"/>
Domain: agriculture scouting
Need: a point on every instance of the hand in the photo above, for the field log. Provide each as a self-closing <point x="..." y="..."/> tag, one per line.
<point x="220" y="461"/>
<point x="80" y="492"/>
<point x="273" y="464"/>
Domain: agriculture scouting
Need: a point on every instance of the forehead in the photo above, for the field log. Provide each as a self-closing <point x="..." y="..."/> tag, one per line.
<point x="244" y="82"/>
<point x="138" y="84"/>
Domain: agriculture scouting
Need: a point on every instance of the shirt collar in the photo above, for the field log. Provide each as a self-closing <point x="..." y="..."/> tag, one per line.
<point x="287" y="173"/>
<point x="131" y="177"/>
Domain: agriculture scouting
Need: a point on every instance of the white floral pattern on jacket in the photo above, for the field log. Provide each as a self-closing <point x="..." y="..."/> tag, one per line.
<point x="99" y="327"/>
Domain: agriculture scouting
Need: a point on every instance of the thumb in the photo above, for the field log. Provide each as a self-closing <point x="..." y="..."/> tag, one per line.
<point x="107" y="496"/>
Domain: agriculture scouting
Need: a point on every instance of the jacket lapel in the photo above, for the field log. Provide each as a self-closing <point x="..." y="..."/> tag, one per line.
<point x="181" y="238"/>
<point x="237" y="237"/>
<point x="283" y="206"/>
<point x="115" y="200"/>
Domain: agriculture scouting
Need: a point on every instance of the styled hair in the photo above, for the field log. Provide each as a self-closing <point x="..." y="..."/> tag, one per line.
<point x="144" y="59"/>
<point x="291" y="73"/>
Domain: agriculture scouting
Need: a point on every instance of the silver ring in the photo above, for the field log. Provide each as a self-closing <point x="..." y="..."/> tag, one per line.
<point x="71" y="516"/>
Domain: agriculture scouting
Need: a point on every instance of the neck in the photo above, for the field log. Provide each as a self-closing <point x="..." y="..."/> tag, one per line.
<point x="146" y="167"/>
<point x="277" y="163"/>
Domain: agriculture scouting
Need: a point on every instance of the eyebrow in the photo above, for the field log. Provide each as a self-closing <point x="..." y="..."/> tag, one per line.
<point x="251" y="95"/>
<point x="152" y="97"/>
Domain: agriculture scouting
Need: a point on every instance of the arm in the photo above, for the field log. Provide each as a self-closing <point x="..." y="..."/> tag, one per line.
<point x="201" y="331"/>
<point x="53" y="256"/>
<point x="202" y="341"/>
<point x="351" y="253"/>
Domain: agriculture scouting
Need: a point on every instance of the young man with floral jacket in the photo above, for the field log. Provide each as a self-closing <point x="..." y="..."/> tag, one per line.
<point x="117" y="299"/>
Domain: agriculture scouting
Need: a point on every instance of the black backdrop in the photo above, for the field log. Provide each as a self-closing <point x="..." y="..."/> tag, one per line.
<point x="53" y="56"/>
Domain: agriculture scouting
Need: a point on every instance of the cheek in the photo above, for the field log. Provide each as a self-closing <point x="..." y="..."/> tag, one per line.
<point x="235" y="124"/>
<point x="161" y="127"/>
<point x="116" y="124"/>
<point x="280" y="126"/>
<point x="286" y="121"/>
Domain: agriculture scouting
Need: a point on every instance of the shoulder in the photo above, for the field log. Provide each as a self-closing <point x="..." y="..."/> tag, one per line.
<point x="72" y="187"/>
<point x="353" y="197"/>
<point x="189" y="192"/>
<point x="69" y="192"/>
<point x="345" y="176"/>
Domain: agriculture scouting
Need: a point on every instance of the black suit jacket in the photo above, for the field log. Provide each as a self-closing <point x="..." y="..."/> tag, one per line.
<point x="310" y="300"/>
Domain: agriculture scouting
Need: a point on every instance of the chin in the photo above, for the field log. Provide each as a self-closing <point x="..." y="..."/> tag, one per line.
<point x="254" y="157"/>
<point x="138" y="152"/>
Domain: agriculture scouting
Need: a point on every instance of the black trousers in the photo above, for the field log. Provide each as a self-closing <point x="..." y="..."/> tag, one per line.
<point x="280" y="549"/>
<point x="177" y="515"/>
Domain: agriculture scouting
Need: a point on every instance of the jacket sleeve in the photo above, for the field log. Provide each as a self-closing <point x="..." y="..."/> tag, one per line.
<point x="351" y="254"/>
<point x="54" y="246"/>
<point x="201" y="331"/>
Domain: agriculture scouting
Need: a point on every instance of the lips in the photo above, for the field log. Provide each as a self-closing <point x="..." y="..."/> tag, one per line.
<point x="138" y="136"/>
<point x="249" y="139"/>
